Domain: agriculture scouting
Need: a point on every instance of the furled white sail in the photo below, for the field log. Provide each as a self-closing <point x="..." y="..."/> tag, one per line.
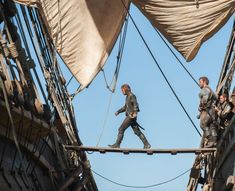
<point x="84" y="31"/>
<point x="186" y="24"/>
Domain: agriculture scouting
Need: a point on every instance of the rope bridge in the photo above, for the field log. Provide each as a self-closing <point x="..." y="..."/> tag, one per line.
<point x="137" y="150"/>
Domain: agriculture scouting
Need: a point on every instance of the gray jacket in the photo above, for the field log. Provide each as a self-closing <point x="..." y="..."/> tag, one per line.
<point x="131" y="104"/>
<point x="207" y="98"/>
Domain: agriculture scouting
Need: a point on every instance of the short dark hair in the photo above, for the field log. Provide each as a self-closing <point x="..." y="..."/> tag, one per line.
<point x="204" y="78"/>
<point x="225" y="95"/>
<point x="126" y="86"/>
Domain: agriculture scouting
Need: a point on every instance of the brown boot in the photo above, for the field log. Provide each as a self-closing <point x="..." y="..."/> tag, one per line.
<point x="118" y="141"/>
<point x="115" y="145"/>
<point x="145" y="141"/>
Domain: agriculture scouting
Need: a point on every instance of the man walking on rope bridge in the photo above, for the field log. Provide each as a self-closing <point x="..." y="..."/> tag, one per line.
<point x="130" y="108"/>
<point x="207" y="112"/>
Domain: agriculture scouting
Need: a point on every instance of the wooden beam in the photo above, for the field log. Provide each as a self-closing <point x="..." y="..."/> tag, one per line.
<point x="136" y="150"/>
<point x="24" y="119"/>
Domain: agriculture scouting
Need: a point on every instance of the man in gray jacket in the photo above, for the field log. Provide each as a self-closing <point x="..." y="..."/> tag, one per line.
<point x="130" y="108"/>
<point x="207" y="112"/>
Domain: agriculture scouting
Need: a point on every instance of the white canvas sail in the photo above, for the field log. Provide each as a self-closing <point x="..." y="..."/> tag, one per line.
<point x="84" y="31"/>
<point x="186" y="24"/>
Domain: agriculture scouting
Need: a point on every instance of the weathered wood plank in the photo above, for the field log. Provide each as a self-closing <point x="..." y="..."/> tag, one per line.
<point x="137" y="150"/>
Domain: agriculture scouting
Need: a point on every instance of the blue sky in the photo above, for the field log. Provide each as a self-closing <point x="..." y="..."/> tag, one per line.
<point x="166" y="124"/>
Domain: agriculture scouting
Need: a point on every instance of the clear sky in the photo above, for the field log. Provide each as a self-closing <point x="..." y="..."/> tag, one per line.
<point x="166" y="124"/>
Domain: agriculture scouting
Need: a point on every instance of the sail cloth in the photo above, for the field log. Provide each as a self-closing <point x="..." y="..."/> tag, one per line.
<point x="84" y="31"/>
<point x="186" y="24"/>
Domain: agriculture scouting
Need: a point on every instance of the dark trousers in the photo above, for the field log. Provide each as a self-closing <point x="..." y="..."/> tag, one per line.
<point x="207" y="123"/>
<point x="128" y="121"/>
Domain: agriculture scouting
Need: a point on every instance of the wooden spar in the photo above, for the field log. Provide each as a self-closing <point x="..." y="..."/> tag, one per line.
<point x="136" y="150"/>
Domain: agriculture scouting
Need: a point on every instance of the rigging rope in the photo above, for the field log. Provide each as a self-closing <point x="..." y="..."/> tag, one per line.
<point x="175" y="55"/>
<point x="69" y="81"/>
<point x="105" y="120"/>
<point x="147" y="186"/>
<point x="21" y="30"/>
<point x="19" y="133"/>
<point x="13" y="128"/>
<point x="115" y="77"/>
<point x="157" y="64"/>
<point x="104" y="123"/>
<point x="119" y="58"/>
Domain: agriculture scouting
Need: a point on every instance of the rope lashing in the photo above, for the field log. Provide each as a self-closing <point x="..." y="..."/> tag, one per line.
<point x="4" y="49"/>
<point x="13" y="50"/>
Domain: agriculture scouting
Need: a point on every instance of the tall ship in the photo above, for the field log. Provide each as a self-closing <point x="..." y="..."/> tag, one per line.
<point x="40" y="144"/>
